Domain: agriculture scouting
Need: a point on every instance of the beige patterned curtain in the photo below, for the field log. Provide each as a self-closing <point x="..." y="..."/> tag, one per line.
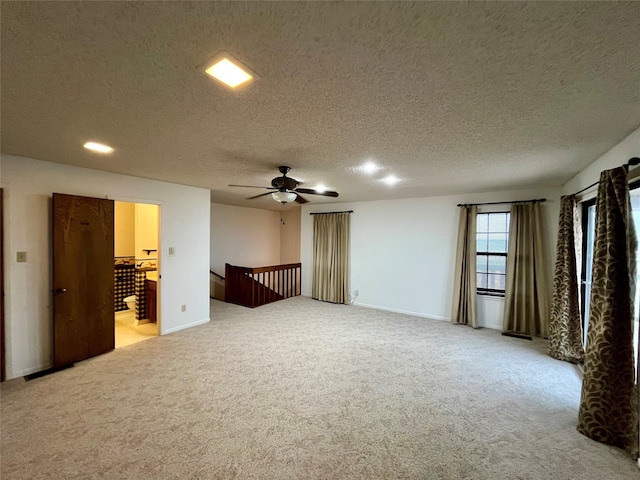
<point x="331" y="234"/>
<point x="565" y="327"/>
<point x="464" y="309"/>
<point x="526" y="298"/>
<point x="609" y="403"/>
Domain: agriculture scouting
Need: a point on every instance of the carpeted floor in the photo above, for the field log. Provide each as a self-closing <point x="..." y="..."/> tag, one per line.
<point x="301" y="389"/>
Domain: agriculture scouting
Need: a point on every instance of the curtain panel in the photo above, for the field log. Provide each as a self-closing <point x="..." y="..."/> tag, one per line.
<point x="565" y="327"/>
<point x="464" y="306"/>
<point x="526" y="298"/>
<point x="331" y="237"/>
<point x="609" y="403"/>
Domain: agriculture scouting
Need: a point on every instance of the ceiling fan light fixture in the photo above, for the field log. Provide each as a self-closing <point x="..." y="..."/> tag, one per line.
<point x="284" y="197"/>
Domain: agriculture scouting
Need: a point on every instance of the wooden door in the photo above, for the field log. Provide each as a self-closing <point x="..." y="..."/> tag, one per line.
<point x="3" y="360"/>
<point x="83" y="278"/>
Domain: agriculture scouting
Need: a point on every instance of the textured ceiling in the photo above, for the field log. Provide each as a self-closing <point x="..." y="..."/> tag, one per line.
<point x="450" y="97"/>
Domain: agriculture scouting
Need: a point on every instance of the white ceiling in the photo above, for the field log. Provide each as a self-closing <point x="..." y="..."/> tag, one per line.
<point x="450" y="97"/>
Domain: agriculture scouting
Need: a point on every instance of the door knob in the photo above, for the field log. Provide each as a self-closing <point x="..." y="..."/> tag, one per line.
<point x="61" y="290"/>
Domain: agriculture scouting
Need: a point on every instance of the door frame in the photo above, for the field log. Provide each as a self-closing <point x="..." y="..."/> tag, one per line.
<point x="3" y="355"/>
<point x="160" y="292"/>
<point x="585" y="205"/>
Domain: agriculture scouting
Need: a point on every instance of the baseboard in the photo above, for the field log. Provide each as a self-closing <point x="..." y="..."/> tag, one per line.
<point x="491" y="326"/>
<point x="184" y="327"/>
<point x="142" y="322"/>
<point x="417" y="314"/>
<point x="28" y="371"/>
<point x="405" y="312"/>
<point x="521" y="336"/>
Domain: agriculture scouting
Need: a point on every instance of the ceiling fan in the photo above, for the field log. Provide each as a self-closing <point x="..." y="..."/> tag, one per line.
<point x="285" y="189"/>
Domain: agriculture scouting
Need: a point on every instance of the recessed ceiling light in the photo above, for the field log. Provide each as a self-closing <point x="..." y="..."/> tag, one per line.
<point x="98" y="147"/>
<point x="230" y="73"/>
<point x="320" y="188"/>
<point x="391" y="180"/>
<point x="369" y="167"/>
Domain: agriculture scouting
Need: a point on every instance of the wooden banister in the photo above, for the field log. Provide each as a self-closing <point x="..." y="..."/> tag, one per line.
<point x="253" y="287"/>
<point x="216" y="274"/>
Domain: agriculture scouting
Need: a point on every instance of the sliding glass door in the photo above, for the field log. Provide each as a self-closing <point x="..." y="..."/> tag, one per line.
<point x="588" y="240"/>
<point x="635" y="210"/>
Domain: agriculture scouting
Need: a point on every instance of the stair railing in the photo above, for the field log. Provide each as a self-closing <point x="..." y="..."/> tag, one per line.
<point x="253" y="287"/>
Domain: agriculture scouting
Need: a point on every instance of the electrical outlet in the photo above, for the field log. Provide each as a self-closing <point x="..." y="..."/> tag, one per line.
<point x="357" y="292"/>
<point x="184" y="308"/>
<point x="21" y="257"/>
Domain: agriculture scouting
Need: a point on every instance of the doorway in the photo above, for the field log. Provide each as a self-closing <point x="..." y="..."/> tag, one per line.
<point x="136" y="264"/>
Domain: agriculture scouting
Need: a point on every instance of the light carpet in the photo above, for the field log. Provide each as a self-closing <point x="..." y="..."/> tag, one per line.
<point x="301" y="389"/>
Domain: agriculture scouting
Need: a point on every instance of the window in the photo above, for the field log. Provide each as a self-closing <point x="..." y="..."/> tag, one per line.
<point x="491" y="258"/>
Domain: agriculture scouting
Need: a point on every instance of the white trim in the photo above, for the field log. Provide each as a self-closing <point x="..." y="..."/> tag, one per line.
<point x="492" y="298"/>
<point x="183" y="327"/>
<point x="405" y="312"/>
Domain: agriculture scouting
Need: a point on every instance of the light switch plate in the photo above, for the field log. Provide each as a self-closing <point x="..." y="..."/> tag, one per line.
<point x="21" y="257"/>
<point x="171" y="251"/>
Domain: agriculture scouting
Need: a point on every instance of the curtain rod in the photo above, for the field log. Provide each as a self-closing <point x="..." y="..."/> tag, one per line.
<point x="501" y="203"/>
<point x="631" y="163"/>
<point x="327" y="213"/>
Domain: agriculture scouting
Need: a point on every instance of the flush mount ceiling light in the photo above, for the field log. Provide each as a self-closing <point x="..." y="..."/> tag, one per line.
<point x="390" y="180"/>
<point x="230" y="72"/>
<point x="284" y="197"/>
<point x="98" y="147"/>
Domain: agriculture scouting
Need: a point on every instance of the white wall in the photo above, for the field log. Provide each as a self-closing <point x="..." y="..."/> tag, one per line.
<point x="29" y="185"/>
<point x="246" y="237"/>
<point x="403" y="251"/>
<point x="615" y="157"/>
<point x="290" y="236"/>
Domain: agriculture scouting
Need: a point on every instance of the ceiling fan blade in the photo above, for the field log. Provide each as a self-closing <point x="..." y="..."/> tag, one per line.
<point x="301" y="200"/>
<point x="261" y="195"/>
<point x="313" y="192"/>
<point x="249" y="186"/>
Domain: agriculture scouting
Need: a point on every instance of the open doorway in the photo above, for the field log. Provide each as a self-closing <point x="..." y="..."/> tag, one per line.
<point x="136" y="247"/>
